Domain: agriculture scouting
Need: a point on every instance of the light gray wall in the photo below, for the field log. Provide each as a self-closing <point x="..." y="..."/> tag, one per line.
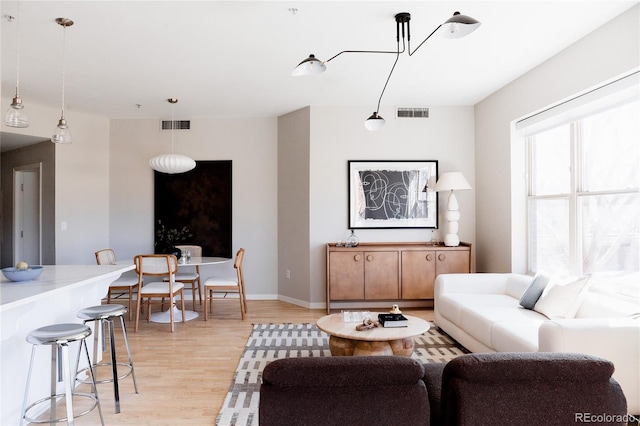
<point x="609" y="51"/>
<point x="338" y="135"/>
<point x="293" y="207"/>
<point x="251" y="145"/>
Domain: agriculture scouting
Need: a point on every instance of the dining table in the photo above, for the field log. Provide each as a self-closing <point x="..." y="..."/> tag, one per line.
<point x="165" y="316"/>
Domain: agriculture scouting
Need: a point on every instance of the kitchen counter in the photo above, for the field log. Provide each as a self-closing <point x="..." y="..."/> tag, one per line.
<point x="54" y="297"/>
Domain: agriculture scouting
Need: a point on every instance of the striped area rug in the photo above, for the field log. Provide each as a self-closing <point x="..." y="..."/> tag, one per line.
<point x="273" y="341"/>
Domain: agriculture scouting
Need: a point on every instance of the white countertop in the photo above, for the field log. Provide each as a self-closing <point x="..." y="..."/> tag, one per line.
<point x="53" y="279"/>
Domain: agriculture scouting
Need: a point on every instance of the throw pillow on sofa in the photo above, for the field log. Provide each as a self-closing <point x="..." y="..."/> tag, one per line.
<point x="562" y="297"/>
<point x="533" y="292"/>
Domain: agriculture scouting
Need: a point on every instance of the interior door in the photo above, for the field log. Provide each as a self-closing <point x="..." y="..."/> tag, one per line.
<point x="27" y="215"/>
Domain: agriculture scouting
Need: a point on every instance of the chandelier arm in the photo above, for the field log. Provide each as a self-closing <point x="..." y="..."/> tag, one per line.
<point x="423" y="41"/>
<point x="398" y="52"/>
<point x="362" y="51"/>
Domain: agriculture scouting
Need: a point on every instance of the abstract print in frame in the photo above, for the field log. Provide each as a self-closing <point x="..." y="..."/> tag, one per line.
<point x="393" y="194"/>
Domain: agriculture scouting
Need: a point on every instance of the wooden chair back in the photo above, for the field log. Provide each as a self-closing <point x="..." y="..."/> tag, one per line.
<point x="237" y="264"/>
<point x="105" y="257"/>
<point x="156" y="265"/>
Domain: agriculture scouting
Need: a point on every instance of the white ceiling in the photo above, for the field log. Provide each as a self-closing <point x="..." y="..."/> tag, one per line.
<point x="234" y="58"/>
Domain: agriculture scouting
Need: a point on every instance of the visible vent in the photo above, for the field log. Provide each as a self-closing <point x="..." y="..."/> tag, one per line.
<point x="177" y="124"/>
<point x="402" y="112"/>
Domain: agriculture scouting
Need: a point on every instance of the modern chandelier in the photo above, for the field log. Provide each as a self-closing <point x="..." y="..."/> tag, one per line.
<point x="172" y="163"/>
<point x="455" y="27"/>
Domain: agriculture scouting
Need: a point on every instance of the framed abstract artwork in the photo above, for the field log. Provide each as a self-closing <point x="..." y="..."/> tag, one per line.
<point x="393" y="194"/>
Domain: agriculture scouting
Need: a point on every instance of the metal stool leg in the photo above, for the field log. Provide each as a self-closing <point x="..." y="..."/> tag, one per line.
<point x="126" y="344"/>
<point x="26" y="391"/>
<point x="114" y="364"/>
<point x="94" y="384"/>
<point x="64" y="349"/>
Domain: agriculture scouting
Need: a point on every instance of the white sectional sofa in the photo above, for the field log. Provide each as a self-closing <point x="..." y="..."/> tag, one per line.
<point x="483" y="313"/>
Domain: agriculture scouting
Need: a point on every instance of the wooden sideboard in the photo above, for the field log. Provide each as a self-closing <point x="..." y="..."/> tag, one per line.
<point x="380" y="272"/>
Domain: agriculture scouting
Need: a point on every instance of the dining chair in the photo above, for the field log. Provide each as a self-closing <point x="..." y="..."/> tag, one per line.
<point x="220" y="284"/>
<point x="158" y="265"/>
<point x="126" y="284"/>
<point x="191" y="276"/>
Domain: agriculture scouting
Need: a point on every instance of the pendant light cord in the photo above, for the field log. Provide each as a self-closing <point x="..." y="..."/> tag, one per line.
<point x="172" y="126"/>
<point x="18" y="50"/>
<point x="64" y="45"/>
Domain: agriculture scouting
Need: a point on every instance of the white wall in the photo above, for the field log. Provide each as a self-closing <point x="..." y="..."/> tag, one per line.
<point x="251" y="145"/>
<point x="82" y="181"/>
<point x="338" y="135"/>
<point x="607" y="52"/>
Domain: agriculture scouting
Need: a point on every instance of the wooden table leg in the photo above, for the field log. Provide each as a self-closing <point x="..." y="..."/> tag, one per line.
<point x="341" y="347"/>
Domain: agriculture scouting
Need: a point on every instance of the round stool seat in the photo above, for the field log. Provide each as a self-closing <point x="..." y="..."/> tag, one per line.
<point x="58" y="333"/>
<point x="102" y="312"/>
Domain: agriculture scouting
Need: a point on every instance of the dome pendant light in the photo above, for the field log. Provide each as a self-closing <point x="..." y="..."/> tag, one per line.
<point x="62" y="134"/>
<point x="172" y="163"/>
<point x="16" y="114"/>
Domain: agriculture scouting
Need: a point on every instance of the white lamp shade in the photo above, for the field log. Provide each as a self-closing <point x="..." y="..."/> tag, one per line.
<point x="451" y="181"/>
<point x="172" y="163"/>
<point x="309" y="66"/>
<point x="375" y="122"/>
<point x="459" y="26"/>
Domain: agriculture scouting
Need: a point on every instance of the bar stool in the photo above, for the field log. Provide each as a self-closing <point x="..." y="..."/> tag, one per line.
<point x="59" y="336"/>
<point x="103" y="316"/>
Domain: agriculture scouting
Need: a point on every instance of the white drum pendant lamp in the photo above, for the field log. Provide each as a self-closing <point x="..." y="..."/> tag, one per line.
<point x="172" y="163"/>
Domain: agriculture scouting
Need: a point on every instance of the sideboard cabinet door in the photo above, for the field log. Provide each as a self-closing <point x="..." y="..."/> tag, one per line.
<point x="381" y="275"/>
<point x="453" y="262"/>
<point x="418" y="274"/>
<point x="346" y="274"/>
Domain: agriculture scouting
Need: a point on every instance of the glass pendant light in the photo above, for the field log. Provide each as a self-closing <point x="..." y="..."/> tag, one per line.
<point x="16" y="114"/>
<point x="62" y="134"/>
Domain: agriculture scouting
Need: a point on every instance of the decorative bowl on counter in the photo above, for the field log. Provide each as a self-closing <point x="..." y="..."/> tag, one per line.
<point x="17" y="275"/>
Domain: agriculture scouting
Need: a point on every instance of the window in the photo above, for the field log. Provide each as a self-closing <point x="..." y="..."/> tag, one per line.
<point x="583" y="188"/>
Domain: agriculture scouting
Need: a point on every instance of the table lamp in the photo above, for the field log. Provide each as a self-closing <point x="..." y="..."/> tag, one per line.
<point x="452" y="181"/>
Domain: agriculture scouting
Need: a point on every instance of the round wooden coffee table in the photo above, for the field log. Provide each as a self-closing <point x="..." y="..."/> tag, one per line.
<point x="345" y="340"/>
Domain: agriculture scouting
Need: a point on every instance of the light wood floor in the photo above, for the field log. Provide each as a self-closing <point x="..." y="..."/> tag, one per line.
<point x="184" y="377"/>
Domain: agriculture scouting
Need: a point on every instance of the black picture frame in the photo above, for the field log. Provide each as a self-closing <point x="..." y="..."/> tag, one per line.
<point x="386" y="194"/>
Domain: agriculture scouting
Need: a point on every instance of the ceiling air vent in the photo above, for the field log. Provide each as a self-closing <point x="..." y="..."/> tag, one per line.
<point x="177" y="124"/>
<point x="402" y="112"/>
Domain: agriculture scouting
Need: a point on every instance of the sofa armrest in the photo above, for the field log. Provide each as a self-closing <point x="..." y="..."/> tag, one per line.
<point x="615" y="339"/>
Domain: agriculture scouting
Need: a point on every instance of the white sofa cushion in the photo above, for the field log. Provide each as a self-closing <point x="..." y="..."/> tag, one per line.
<point x="519" y="336"/>
<point x="562" y="297"/>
